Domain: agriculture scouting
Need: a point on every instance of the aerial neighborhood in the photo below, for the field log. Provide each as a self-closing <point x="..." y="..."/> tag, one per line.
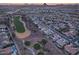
<point x="39" y="29"/>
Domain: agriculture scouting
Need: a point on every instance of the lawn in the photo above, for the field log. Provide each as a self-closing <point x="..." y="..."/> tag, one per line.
<point x="18" y="25"/>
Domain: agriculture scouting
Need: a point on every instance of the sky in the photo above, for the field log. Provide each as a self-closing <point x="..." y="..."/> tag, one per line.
<point x="39" y="1"/>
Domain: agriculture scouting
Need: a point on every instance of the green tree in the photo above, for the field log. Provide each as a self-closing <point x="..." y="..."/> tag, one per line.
<point x="40" y="53"/>
<point x="37" y="46"/>
<point x="43" y="42"/>
<point x="27" y="43"/>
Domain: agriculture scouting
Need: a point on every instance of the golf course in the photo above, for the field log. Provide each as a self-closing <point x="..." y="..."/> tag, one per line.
<point x="19" y="25"/>
<point x="21" y="30"/>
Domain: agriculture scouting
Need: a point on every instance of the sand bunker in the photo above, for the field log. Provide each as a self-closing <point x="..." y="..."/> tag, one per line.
<point x="23" y="35"/>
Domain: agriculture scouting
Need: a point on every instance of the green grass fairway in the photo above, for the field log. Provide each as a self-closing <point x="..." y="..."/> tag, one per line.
<point x="18" y="24"/>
